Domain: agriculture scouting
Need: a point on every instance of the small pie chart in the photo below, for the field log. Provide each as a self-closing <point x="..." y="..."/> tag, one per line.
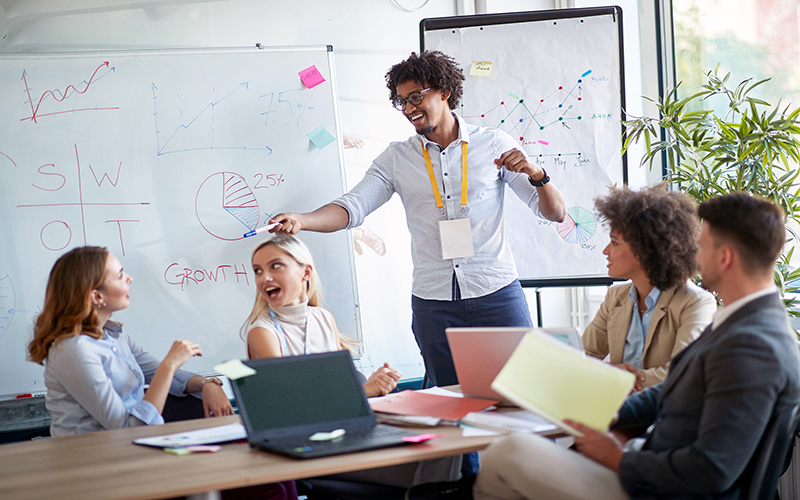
<point x="578" y="227"/>
<point x="226" y="206"/>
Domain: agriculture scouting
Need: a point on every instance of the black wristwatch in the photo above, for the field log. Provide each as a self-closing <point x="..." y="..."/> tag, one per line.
<point x="541" y="182"/>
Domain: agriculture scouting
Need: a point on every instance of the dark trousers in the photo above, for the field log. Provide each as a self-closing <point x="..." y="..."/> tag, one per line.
<point x="505" y="307"/>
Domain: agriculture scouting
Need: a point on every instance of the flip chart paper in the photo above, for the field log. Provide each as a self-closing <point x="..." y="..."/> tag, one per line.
<point x="320" y="137"/>
<point x="234" y="369"/>
<point x="481" y="68"/>
<point x="559" y="383"/>
<point x="311" y="76"/>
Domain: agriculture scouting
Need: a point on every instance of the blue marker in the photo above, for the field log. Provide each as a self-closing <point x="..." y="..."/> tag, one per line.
<point x="260" y="230"/>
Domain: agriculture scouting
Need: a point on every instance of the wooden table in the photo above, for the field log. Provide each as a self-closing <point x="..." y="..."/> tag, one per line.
<point x="107" y="465"/>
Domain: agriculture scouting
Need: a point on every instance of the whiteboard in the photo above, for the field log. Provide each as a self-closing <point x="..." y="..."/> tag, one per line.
<point x="556" y="87"/>
<point x="167" y="158"/>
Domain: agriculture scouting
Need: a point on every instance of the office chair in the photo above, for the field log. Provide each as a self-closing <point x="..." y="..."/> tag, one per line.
<point x="760" y="479"/>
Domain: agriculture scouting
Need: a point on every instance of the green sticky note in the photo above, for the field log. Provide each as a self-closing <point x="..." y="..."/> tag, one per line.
<point x="234" y="369"/>
<point x="320" y="137"/>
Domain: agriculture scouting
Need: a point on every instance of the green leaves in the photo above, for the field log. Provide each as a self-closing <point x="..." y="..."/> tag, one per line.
<point x="754" y="147"/>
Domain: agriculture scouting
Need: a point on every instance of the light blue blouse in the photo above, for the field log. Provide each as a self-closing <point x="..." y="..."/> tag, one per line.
<point x="633" y="352"/>
<point x="98" y="384"/>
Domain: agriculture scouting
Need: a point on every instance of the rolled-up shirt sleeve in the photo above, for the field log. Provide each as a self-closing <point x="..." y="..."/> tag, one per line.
<point x="374" y="190"/>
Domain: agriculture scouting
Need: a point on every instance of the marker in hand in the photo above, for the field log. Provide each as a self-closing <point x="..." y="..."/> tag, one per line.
<point x="261" y="229"/>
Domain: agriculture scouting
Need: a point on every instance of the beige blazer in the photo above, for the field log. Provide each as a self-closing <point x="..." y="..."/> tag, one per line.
<point x="680" y="315"/>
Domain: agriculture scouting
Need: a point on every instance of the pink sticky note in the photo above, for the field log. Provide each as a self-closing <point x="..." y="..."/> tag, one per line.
<point x="311" y="76"/>
<point x="421" y="437"/>
<point x="204" y="448"/>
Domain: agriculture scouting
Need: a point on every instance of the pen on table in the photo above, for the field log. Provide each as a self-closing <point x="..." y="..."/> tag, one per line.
<point x="33" y="395"/>
<point x="260" y="230"/>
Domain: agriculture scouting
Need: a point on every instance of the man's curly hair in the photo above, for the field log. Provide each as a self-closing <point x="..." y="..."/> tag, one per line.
<point x="431" y="68"/>
<point x="661" y="227"/>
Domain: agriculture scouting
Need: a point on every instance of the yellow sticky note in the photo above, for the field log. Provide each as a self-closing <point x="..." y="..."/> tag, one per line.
<point x="556" y="382"/>
<point x="234" y="369"/>
<point x="481" y="68"/>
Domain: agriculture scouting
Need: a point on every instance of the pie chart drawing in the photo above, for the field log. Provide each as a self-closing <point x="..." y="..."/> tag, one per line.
<point x="8" y="301"/>
<point x="226" y="206"/>
<point x="578" y="227"/>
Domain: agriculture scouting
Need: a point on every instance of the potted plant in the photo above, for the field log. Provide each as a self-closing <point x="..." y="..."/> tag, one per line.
<point x="753" y="147"/>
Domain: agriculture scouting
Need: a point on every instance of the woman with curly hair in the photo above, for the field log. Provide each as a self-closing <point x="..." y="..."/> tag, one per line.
<point x="644" y="322"/>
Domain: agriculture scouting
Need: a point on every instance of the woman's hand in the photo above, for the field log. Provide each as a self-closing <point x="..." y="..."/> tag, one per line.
<point x="215" y="402"/>
<point x="382" y="382"/>
<point x="180" y="352"/>
<point x="638" y="385"/>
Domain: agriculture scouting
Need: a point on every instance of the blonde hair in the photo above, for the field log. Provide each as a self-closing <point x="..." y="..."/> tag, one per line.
<point x="302" y="255"/>
<point x="68" y="310"/>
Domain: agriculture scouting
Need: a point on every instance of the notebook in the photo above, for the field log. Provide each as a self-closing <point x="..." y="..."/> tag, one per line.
<point x="480" y="352"/>
<point x="290" y="400"/>
<point x="557" y="383"/>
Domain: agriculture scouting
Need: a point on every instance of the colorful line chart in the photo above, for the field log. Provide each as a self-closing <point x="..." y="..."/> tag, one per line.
<point x="523" y="119"/>
<point x="226" y="206"/>
<point x="578" y="226"/>
<point x="57" y="96"/>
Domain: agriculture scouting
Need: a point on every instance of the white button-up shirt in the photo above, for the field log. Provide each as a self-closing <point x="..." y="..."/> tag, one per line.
<point x="401" y="169"/>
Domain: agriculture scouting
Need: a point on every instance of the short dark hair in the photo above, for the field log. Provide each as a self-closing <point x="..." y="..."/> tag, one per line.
<point x="755" y="227"/>
<point x="432" y="68"/>
<point x="661" y="228"/>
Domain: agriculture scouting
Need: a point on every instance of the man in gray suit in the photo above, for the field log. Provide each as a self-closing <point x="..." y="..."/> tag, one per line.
<point x="706" y="419"/>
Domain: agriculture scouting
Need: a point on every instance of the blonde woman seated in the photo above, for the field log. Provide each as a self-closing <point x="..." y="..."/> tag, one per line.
<point x="287" y="318"/>
<point x="95" y="374"/>
<point x="644" y="322"/>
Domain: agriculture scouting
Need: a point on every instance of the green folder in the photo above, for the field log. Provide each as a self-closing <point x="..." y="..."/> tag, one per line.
<point x="557" y="382"/>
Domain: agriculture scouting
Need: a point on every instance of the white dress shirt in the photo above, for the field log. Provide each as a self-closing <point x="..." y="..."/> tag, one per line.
<point x="401" y="169"/>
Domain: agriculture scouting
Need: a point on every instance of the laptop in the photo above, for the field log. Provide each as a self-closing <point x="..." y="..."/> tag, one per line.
<point x="291" y="399"/>
<point x="479" y="353"/>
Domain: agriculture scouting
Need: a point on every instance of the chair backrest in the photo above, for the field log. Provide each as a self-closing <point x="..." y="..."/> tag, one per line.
<point x="760" y="479"/>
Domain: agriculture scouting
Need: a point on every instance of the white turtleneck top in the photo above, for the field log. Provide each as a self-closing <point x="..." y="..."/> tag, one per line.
<point x="300" y="322"/>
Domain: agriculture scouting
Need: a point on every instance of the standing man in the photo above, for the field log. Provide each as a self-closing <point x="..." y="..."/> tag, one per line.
<point x="706" y="419"/>
<point x="450" y="178"/>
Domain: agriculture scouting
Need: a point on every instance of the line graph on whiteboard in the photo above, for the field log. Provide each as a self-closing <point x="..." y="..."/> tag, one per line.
<point x="53" y="102"/>
<point x="530" y="119"/>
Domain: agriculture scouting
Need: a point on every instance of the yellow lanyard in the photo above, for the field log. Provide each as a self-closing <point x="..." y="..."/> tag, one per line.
<point x="464" y="175"/>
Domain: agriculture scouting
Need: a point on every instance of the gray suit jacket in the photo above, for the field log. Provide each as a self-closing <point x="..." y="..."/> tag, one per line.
<point x="710" y="412"/>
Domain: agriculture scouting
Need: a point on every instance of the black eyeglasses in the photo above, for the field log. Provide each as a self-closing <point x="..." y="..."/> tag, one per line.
<point x="414" y="98"/>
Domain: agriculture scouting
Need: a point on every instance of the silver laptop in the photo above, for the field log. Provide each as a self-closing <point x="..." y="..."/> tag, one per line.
<point x="290" y="399"/>
<point x="479" y="353"/>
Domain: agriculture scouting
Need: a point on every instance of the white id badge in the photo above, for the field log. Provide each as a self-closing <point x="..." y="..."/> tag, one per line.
<point x="456" y="236"/>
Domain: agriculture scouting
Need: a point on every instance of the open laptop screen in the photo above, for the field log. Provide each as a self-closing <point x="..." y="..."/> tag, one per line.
<point x="301" y="390"/>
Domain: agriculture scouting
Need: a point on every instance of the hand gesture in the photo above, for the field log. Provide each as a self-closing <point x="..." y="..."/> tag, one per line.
<point x="515" y="161"/>
<point x="639" y="384"/>
<point x="180" y="352"/>
<point x="382" y="382"/>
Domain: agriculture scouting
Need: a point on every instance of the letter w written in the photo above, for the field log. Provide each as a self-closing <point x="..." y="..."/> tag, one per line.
<point x="105" y="176"/>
